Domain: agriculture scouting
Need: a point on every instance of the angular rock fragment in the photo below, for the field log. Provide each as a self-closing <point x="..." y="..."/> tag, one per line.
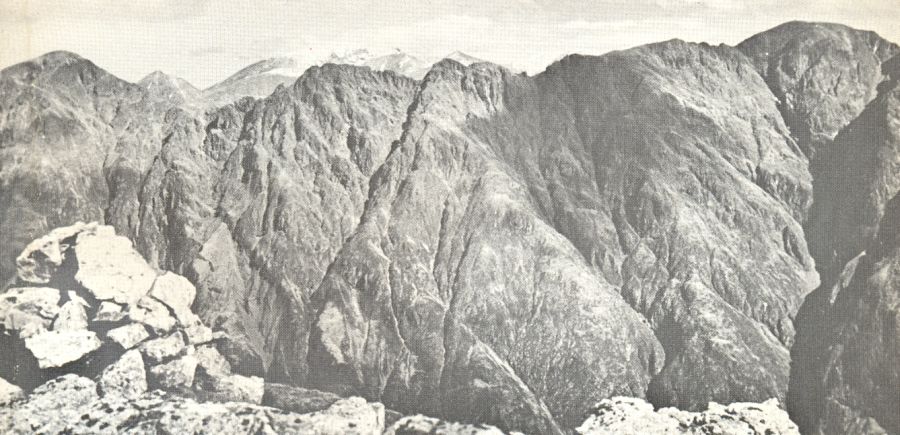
<point x="129" y="335"/>
<point x="175" y="374"/>
<point x="111" y="269"/>
<point x="210" y="360"/>
<point x="631" y="415"/>
<point x="297" y="399"/>
<point x="109" y="312"/>
<point x="57" y="348"/>
<point x="126" y="377"/>
<point x="422" y="425"/>
<point x="232" y="388"/>
<point x="72" y="314"/>
<point x="51" y="408"/>
<point x="28" y="310"/>
<point x="176" y="292"/>
<point x="40" y="258"/>
<point x="9" y="392"/>
<point x="160" y="349"/>
<point x="152" y="313"/>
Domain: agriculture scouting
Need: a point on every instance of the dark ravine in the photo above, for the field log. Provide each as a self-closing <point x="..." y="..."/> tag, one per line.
<point x="451" y="246"/>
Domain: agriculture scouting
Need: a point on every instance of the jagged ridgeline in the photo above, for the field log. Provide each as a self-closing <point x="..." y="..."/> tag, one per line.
<point x="487" y="247"/>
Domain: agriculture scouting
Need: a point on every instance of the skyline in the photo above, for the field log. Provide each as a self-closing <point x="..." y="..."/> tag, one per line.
<point x="204" y="42"/>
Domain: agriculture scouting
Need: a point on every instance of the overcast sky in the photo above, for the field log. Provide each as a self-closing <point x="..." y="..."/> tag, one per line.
<point x="206" y="41"/>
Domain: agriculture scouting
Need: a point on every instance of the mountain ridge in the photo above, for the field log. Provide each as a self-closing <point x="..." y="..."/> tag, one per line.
<point x="352" y="228"/>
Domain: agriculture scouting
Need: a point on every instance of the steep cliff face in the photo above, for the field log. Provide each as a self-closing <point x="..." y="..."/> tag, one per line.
<point x="822" y="74"/>
<point x="704" y="189"/>
<point x="845" y="370"/>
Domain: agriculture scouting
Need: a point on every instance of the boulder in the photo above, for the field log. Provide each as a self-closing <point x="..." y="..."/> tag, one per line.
<point x="57" y="348"/>
<point x="110" y="268"/>
<point x="152" y="313"/>
<point x="9" y="393"/>
<point x="231" y="388"/>
<point x="28" y="310"/>
<point x="70" y="405"/>
<point x="160" y="349"/>
<point x="109" y="312"/>
<point x="126" y="377"/>
<point x="422" y="425"/>
<point x="176" y="292"/>
<point x="211" y="361"/>
<point x="631" y="415"/>
<point x="297" y="399"/>
<point x="40" y="258"/>
<point x="174" y="375"/>
<point x="72" y="314"/>
<point x="196" y="331"/>
<point x="129" y="335"/>
<point x="346" y="416"/>
<point x="50" y="408"/>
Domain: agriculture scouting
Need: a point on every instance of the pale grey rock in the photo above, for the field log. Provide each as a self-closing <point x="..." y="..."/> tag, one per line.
<point x="175" y="374"/>
<point x="422" y="425"/>
<point x="351" y="416"/>
<point x="70" y="405"/>
<point x="210" y="360"/>
<point x="163" y="348"/>
<point x="28" y="310"/>
<point x="40" y="258"/>
<point x="232" y="388"/>
<point x="626" y="415"/>
<point x="52" y="408"/>
<point x="9" y="393"/>
<point x="110" y="268"/>
<point x="109" y="312"/>
<point x="57" y="348"/>
<point x="177" y="293"/>
<point x="297" y="399"/>
<point x="197" y="332"/>
<point x="129" y="335"/>
<point x="126" y="377"/>
<point x="152" y="313"/>
<point x="72" y="314"/>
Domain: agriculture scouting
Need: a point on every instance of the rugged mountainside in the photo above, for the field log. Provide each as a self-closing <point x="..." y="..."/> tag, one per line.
<point x="484" y="246"/>
<point x="257" y="80"/>
<point x="262" y="78"/>
<point x="122" y="352"/>
<point x="846" y="374"/>
<point x="170" y="89"/>
<point x="822" y="74"/>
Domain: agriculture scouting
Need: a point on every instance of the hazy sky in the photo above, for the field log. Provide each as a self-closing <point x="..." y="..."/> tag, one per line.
<point x="206" y="41"/>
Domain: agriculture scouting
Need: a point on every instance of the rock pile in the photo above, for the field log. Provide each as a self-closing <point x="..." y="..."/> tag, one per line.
<point x="86" y="305"/>
<point x="626" y="415"/>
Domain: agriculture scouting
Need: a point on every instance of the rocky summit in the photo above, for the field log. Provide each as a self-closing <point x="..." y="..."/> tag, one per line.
<point x="618" y="244"/>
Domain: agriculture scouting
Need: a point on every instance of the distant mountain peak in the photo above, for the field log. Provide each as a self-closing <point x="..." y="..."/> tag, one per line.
<point x="463" y="58"/>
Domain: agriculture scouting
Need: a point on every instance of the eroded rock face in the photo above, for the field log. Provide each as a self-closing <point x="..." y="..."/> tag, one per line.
<point x="846" y="370"/>
<point x="822" y="74"/>
<point x="621" y="415"/>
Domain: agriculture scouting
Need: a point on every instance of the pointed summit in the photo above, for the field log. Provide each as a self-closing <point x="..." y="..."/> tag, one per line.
<point x="463" y="58"/>
<point x="166" y="87"/>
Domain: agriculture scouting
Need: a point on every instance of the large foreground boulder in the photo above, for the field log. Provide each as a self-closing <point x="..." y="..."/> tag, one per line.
<point x="71" y="405"/>
<point x="625" y="415"/>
